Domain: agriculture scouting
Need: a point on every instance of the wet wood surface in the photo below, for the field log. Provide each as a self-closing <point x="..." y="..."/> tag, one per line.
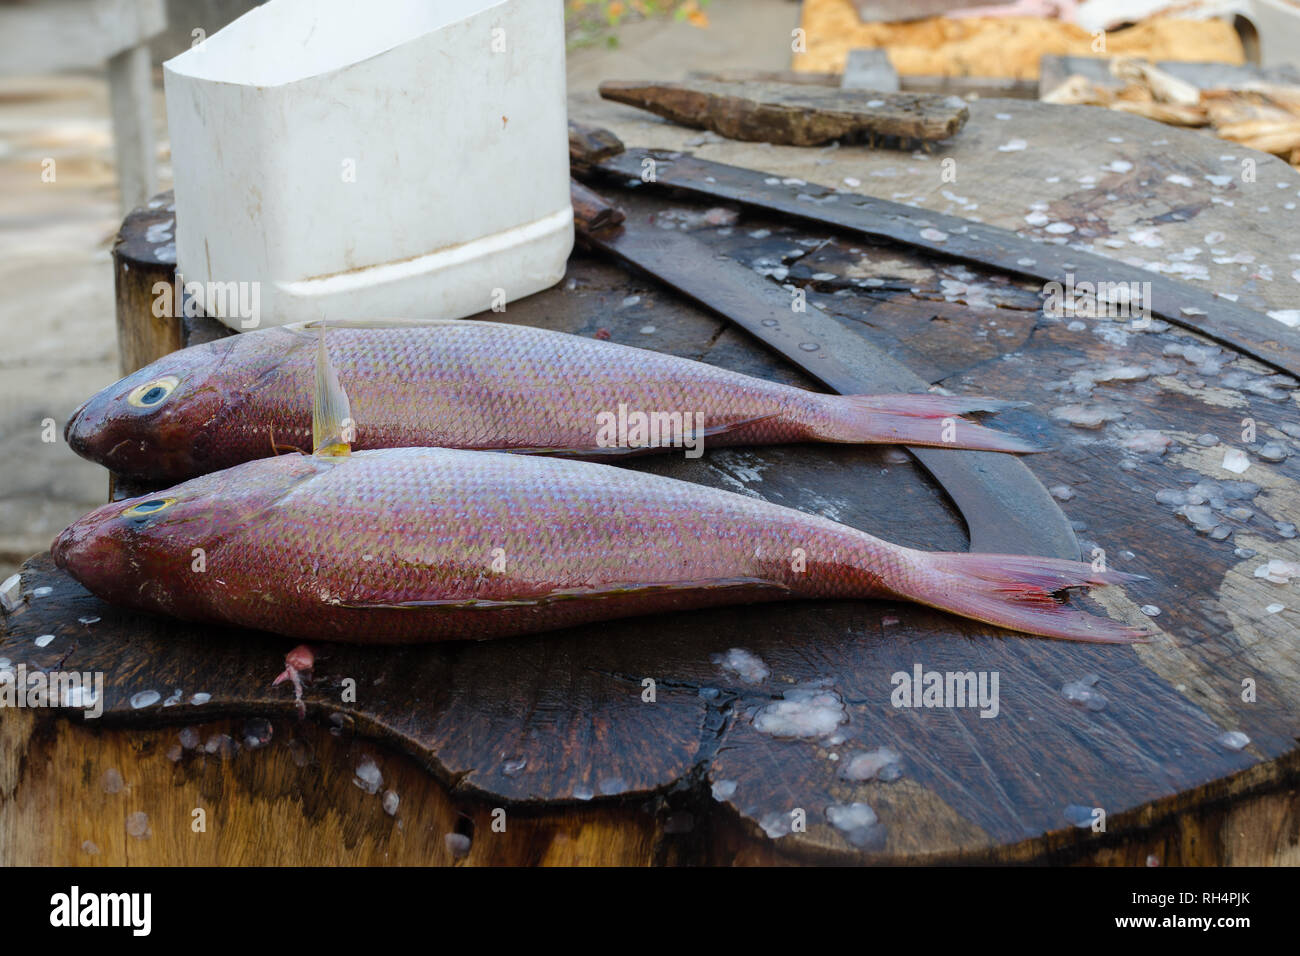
<point x="760" y="756"/>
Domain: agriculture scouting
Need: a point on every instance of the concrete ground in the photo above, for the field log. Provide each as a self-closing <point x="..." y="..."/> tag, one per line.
<point x="56" y="308"/>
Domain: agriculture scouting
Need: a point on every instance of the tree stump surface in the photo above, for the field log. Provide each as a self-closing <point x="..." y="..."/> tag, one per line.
<point x="553" y="731"/>
<point x="144" y="255"/>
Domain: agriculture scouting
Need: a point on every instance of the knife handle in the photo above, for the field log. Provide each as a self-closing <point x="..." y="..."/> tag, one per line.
<point x="589" y="145"/>
<point x="591" y="211"/>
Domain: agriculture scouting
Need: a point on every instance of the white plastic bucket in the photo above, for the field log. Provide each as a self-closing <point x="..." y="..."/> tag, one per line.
<point x="392" y="158"/>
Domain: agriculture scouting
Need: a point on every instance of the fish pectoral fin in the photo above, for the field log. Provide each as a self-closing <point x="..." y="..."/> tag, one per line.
<point x="603" y="592"/>
<point x="332" y="428"/>
<point x="722" y="429"/>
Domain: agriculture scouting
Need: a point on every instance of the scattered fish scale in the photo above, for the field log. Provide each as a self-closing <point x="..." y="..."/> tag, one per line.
<point x="1146" y="441"/>
<point x="1273" y="452"/>
<point x="802" y="712"/>
<point x="1233" y="740"/>
<point x="1206" y="504"/>
<point x="1277" y="388"/>
<point x="1087" y="415"/>
<point x="1085" y="380"/>
<point x="1278" y="571"/>
<point x="746" y="666"/>
<point x="368" y="776"/>
<point x="857" y="822"/>
<point x="883" y="763"/>
<point x="1083" y="693"/>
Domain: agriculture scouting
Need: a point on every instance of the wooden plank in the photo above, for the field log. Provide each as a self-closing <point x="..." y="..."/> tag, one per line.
<point x="294" y="800"/>
<point x="797" y="115"/>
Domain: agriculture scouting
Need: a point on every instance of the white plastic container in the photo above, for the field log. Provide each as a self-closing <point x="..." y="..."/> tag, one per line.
<point x="377" y="159"/>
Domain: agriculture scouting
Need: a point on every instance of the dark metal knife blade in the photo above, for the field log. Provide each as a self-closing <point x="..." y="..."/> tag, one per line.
<point x="1005" y="507"/>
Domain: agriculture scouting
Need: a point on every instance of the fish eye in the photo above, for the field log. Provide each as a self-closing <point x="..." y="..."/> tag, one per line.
<point x="153" y="393"/>
<point x="150" y="507"/>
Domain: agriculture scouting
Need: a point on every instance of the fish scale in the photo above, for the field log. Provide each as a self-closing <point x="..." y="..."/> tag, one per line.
<point x="469" y="384"/>
<point x="401" y="545"/>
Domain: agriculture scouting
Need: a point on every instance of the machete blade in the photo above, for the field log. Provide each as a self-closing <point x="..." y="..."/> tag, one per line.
<point x="1006" y="509"/>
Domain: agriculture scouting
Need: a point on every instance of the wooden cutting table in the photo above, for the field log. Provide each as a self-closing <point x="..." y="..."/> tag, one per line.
<point x="544" y="750"/>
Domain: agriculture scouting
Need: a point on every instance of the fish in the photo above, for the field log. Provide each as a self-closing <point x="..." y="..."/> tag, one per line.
<point x="409" y="545"/>
<point x="486" y="386"/>
<point x="412" y="545"/>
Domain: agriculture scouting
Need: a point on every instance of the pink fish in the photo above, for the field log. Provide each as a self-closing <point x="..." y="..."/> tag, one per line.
<point x="424" y="544"/>
<point x="479" y="385"/>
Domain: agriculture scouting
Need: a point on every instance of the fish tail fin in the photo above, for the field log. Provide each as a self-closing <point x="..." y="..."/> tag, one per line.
<point x="1018" y="592"/>
<point x="924" y="419"/>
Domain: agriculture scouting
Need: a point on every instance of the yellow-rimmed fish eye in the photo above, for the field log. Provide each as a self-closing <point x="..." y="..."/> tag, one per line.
<point x="147" y="508"/>
<point x="153" y="393"/>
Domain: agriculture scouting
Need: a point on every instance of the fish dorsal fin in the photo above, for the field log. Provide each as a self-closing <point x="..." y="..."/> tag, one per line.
<point x="305" y="329"/>
<point x="310" y="324"/>
<point x="332" y="428"/>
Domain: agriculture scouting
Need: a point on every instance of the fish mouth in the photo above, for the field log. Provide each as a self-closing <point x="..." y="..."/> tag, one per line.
<point x="72" y="547"/>
<point x="89" y="553"/>
<point x="90" y="430"/>
<point x="109" y="442"/>
<point x="59" y="549"/>
<point x="73" y="433"/>
<point x="78" y="552"/>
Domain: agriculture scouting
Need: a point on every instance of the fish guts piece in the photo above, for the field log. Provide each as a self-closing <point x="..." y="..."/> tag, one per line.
<point x="425" y="544"/>
<point x="480" y="385"/>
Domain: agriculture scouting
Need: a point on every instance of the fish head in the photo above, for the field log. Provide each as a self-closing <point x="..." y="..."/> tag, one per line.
<point x="149" y="552"/>
<point x="146" y="424"/>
